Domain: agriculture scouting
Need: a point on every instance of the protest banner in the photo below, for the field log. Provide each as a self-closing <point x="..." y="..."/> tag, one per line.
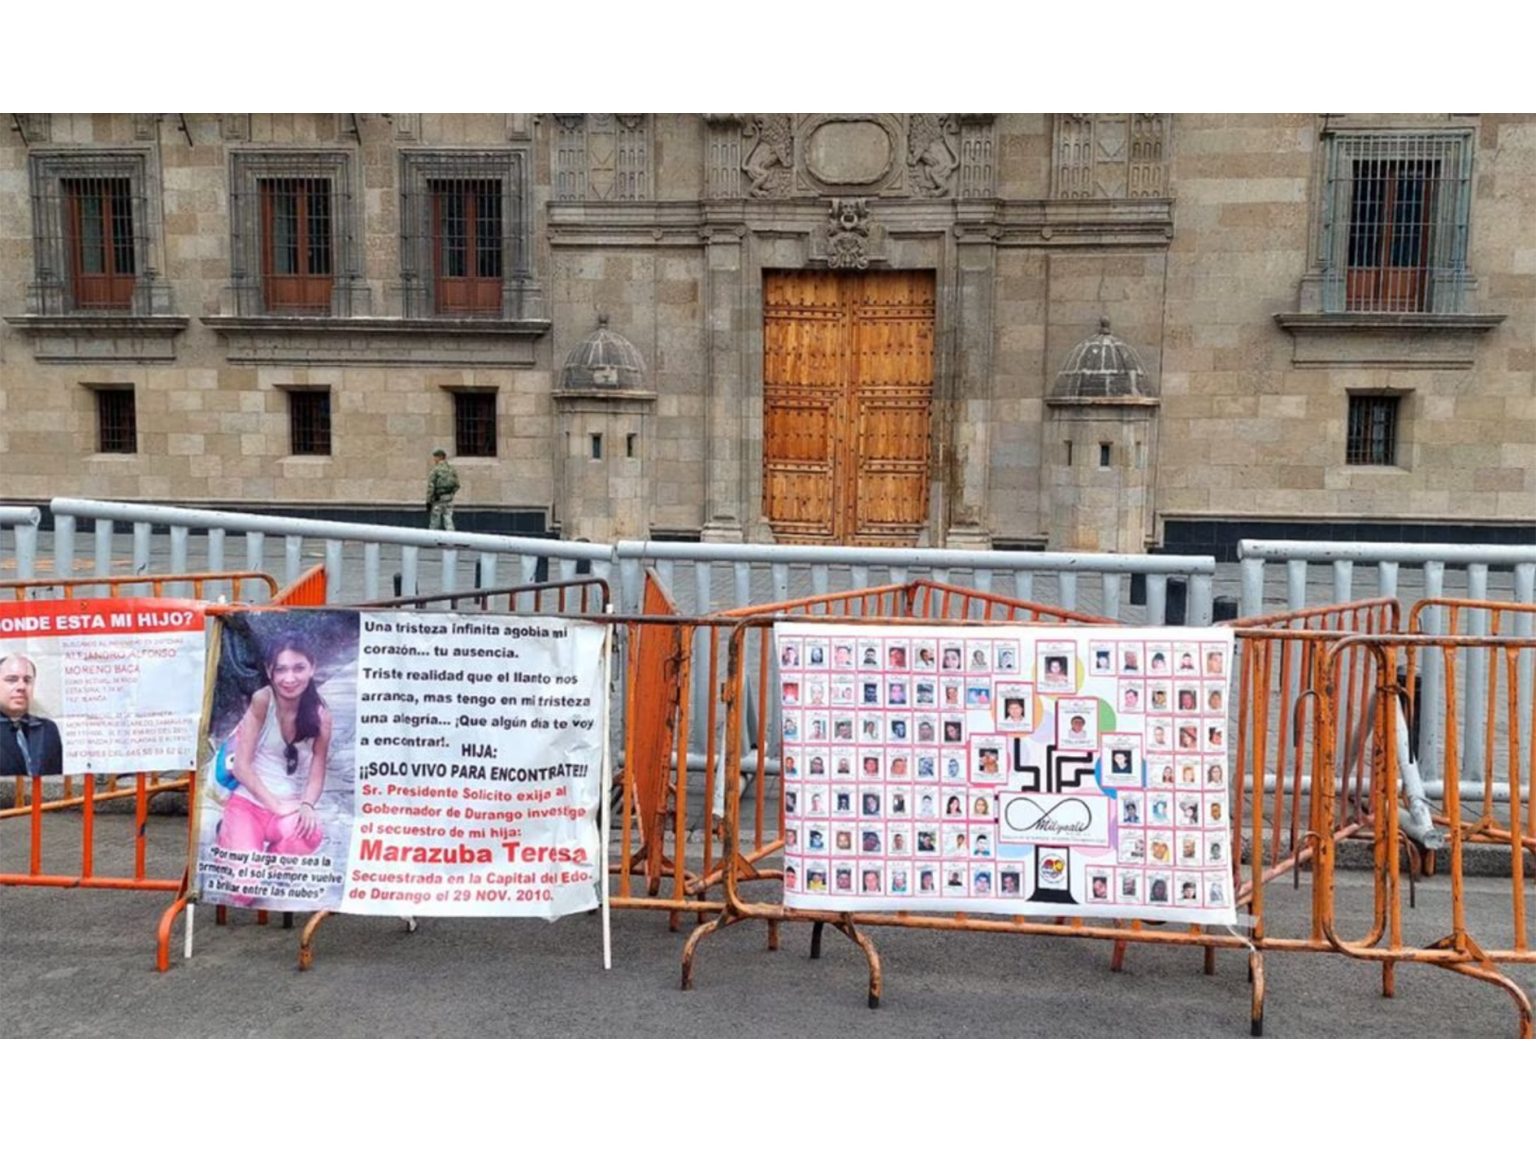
<point x="405" y="764"/>
<point x="1039" y="770"/>
<point x="110" y="687"/>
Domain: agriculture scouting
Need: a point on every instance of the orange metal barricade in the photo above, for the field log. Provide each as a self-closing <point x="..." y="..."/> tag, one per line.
<point x="739" y="908"/>
<point x="1278" y="747"/>
<point x="1494" y="619"/>
<point x="1465" y="947"/>
<point x="1279" y="658"/>
<point x="30" y="801"/>
<point x="668" y="655"/>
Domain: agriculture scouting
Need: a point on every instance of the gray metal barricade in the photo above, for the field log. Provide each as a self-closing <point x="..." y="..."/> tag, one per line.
<point x="704" y="577"/>
<point x="1322" y="572"/>
<point x="22" y="522"/>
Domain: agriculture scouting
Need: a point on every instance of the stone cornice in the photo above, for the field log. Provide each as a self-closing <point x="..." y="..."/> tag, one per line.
<point x="87" y="337"/>
<point x="1012" y="223"/>
<point x="391" y="325"/>
<point x="1418" y="340"/>
<point x="1320" y="322"/>
<point x="430" y="340"/>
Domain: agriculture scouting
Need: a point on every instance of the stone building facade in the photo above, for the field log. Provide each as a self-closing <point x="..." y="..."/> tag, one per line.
<point x="1114" y="331"/>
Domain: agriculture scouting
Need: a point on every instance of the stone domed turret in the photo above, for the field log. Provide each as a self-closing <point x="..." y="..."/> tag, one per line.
<point x="1103" y="367"/>
<point x="604" y="360"/>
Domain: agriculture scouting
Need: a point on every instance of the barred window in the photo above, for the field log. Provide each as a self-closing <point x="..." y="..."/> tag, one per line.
<point x="309" y="422"/>
<point x="293" y="234"/>
<point x="296" y="245"/>
<point x="91" y="231"/>
<point x="117" y="426"/>
<point x="467" y="246"/>
<point x="1372" y="430"/>
<point x="464" y="234"/>
<point x="1395" y="220"/>
<point x="474" y="423"/>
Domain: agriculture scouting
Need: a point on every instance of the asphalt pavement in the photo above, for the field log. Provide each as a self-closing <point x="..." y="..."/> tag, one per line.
<point x="80" y="963"/>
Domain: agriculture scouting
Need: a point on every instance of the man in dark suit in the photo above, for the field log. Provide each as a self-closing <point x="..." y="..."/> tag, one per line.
<point x="29" y="745"/>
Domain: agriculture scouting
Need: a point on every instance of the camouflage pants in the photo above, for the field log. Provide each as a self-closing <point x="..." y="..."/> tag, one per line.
<point x="441" y="515"/>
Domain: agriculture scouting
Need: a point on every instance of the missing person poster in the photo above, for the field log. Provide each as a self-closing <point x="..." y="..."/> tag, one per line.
<point x="100" y="686"/>
<point x="1076" y="771"/>
<point x="405" y="764"/>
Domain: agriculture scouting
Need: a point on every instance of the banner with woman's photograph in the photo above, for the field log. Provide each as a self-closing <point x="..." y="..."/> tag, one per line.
<point x="105" y="687"/>
<point x="1042" y="770"/>
<point x="399" y="763"/>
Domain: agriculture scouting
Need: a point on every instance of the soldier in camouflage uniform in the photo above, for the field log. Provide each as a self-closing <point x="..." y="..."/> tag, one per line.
<point x="442" y="483"/>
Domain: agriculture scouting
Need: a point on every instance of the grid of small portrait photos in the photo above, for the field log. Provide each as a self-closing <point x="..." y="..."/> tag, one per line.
<point x="1005" y="768"/>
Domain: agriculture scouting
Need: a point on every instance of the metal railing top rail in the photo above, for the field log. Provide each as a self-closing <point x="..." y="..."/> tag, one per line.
<point x="325" y="529"/>
<point x="19" y="516"/>
<point x="557" y="588"/>
<point x="1364" y="552"/>
<point x="752" y="572"/>
<point x="1092" y="562"/>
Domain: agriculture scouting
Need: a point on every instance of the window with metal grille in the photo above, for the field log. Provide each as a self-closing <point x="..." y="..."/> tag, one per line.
<point x="91" y="223"/>
<point x="296" y="245"/>
<point x="1372" y="430"/>
<point x="466" y="245"/>
<point x="117" y="426"/>
<point x="464" y="236"/>
<point x="474" y="423"/>
<point x="293" y="234"/>
<point x="309" y="422"/>
<point x="1395" y="218"/>
<point x="99" y="225"/>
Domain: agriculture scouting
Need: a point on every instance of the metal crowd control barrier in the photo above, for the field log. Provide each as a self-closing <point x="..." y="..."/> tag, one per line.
<point x="30" y="802"/>
<point x="23" y="524"/>
<point x="1407" y="572"/>
<point x="1510" y="745"/>
<point x="1278" y="751"/>
<point x="1279" y="659"/>
<point x="701" y="578"/>
<point x="675" y="660"/>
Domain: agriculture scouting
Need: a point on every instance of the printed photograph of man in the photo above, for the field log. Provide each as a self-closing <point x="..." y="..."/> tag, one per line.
<point x="29" y="745"/>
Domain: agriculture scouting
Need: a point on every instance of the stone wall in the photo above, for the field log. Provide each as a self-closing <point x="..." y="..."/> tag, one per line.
<point x="1195" y="234"/>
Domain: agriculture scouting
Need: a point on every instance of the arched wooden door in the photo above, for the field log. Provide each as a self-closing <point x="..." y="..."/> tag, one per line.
<point x="847" y="405"/>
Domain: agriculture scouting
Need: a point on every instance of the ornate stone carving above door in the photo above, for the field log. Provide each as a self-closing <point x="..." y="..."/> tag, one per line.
<point x="883" y="154"/>
<point x="933" y="153"/>
<point x="850" y="239"/>
<point x="848" y="151"/>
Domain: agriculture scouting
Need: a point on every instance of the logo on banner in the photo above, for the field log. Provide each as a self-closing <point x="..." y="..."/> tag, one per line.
<point x="1035" y="818"/>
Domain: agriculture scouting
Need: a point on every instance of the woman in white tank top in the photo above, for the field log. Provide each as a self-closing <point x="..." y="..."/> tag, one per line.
<point x="279" y="761"/>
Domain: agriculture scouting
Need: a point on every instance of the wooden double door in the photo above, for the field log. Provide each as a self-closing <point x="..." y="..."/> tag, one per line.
<point x="847" y="405"/>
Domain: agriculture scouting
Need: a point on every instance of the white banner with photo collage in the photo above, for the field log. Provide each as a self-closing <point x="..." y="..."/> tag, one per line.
<point x="1043" y="770"/>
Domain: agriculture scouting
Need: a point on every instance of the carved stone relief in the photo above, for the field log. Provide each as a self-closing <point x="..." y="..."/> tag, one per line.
<point x="770" y="155"/>
<point x="602" y="156"/>
<point x="850" y="239"/>
<point x="783" y="156"/>
<point x="933" y="146"/>
<point x="723" y="151"/>
<point x="977" y="164"/>
<point x="1110" y="156"/>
